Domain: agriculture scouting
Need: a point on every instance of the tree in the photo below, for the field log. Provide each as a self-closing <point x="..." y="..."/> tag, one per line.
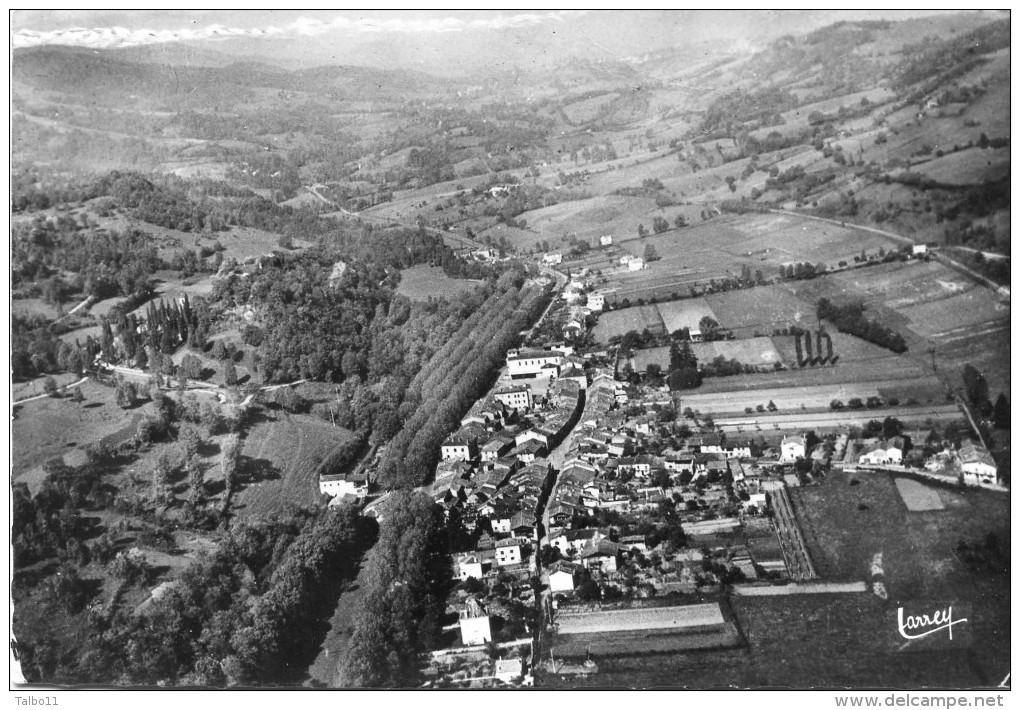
<point x="680" y="221"/>
<point x="642" y="232"/>
<point x="771" y="406"/>
<point x="229" y="461"/>
<point x="125" y="394"/>
<point x="191" y="367"/>
<point x="660" y="224"/>
<point x="229" y="373"/>
<point x="50" y="387"/>
<point x="651" y="254"/>
<point x="891" y="426"/>
<point x="1000" y="413"/>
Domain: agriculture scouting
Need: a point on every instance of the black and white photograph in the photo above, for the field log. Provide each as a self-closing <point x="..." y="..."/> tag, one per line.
<point x="510" y="350"/>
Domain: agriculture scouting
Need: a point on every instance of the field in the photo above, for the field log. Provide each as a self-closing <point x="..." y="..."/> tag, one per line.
<point x="750" y="351"/>
<point x="929" y="303"/>
<point x="281" y="454"/>
<point x="685" y="314"/>
<point x="626" y="642"/>
<point x="723" y="397"/>
<point x="722" y="246"/>
<point x="616" y="323"/>
<point x="967" y="167"/>
<point x="48" y="428"/>
<point x="28" y="307"/>
<point x="760" y="310"/>
<point x="420" y="282"/>
<point x="665" y="617"/>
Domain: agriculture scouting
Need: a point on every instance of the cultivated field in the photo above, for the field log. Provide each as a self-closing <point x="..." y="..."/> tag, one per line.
<point x="725" y="398"/>
<point x="665" y="617"/>
<point x="750" y="351"/>
<point x="280" y="457"/>
<point x="420" y="282"/>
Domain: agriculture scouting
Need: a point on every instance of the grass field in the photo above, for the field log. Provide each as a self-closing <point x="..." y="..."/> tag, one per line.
<point x="967" y="167"/>
<point x="614" y="323"/>
<point x="48" y="428"/>
<point x="685" y="314"/>
<point x="759" y="310"/>
<point x="420" y="282"/>
<point x="281" y="455"/>
<point x="35" y="307"/>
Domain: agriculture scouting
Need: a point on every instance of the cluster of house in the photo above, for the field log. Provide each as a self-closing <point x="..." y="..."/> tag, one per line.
<point x="971" y="464"/>
<point x="713" y="483"/>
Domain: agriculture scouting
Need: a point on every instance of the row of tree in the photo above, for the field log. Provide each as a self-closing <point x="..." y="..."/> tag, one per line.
<point x="850" y="318"/>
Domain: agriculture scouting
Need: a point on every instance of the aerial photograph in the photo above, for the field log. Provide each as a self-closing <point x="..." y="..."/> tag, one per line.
<point x="510" y="349"/>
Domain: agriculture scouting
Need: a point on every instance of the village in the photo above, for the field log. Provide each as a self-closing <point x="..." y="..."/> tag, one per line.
<point x="592" y="508"/>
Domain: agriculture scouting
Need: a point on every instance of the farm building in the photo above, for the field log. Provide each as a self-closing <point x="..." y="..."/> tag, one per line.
<point x="515" y="397"/>
<point x="606" y="240"/>
<point x="552" y="258"/>
<point x="340" y="484"/>
<point x="532" y="363"/>
<point x="596" y="301"/>
<point x="509" y="669"/>
<point x="636" y="264"/>
<point x="882" y="453"/>
<point x="919" y="249"/>
<point x="792" y="448"/>
<point x="977" y="464"/>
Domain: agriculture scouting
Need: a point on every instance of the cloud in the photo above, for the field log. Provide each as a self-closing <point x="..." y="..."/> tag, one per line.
<point x="107" y="37"/>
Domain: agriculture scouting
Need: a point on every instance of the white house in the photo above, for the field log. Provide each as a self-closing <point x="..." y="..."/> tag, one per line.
<point x="457" y="448"/>
<point x="977" y="464"/>
<point x="636" y="264"/>
<point x="625" y="259"/>
<point x="919" y="249"/>
<point x="552" y="258"/>
<point x="475" y="629"/>
<point x="596" y="301"/>
<point x="606" y="240"/>
<point x="515" y="397"/>
<point x="355" y="484"/>
<point x="496" y="447"/>
<point x="792" y="448"/>
<point x="470" y="565"/>
<point x="508" y="552"/>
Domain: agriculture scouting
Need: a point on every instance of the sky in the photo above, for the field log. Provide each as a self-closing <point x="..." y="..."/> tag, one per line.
<point x="432" y="40"/>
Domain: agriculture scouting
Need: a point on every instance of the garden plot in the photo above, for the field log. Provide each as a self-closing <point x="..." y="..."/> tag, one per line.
<point x="917" y="496"/>
<point x="616" y="323"/>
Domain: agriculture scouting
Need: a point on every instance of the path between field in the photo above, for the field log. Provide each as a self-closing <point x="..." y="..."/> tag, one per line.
<point x="43" y="396"/>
